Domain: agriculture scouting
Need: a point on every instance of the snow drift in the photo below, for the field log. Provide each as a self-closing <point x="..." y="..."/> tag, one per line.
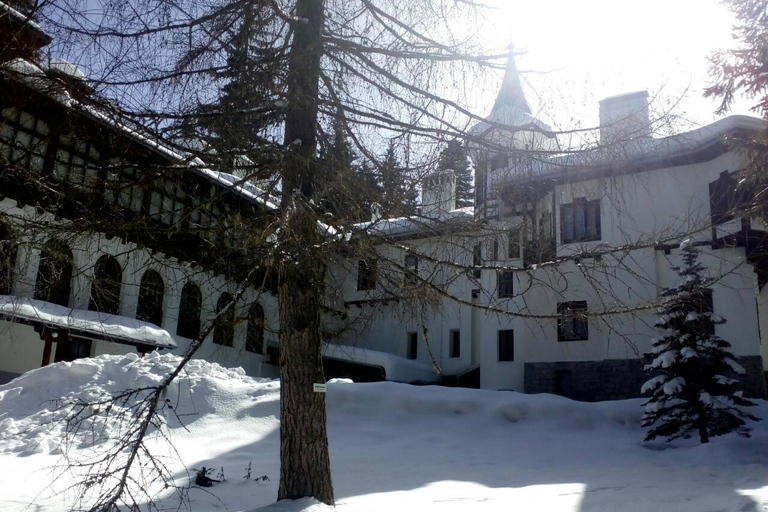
<point x="393" y="446"/>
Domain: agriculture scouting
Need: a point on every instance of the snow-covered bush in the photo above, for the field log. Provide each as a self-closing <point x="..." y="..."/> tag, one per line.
<point x="691" y="392"/>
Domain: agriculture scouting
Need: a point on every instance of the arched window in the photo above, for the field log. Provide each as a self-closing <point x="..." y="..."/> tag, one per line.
<point x="189" y="311"/>
<point x="224" y="330"/>
<point x="105" y="288"/>
<point x="151" y="291"/>
<point x="254" y="338"/>
<point x="54" y="274"/>
<point x="7" y="259"/>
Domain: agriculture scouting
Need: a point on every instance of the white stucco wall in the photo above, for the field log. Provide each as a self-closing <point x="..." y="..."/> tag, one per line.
<point x="22" y="348"/>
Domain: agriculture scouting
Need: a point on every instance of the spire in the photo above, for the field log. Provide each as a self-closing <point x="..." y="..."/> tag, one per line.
<point x="511" y="95"/>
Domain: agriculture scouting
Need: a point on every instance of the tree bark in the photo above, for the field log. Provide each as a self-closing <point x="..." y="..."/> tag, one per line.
<point x="305" y="468"/>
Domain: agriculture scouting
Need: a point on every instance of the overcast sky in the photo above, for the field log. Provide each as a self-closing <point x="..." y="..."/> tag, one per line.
<point x="596" y="48"/>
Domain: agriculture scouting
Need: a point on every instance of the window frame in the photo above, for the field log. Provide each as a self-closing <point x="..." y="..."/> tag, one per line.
<point x="224" y="328"/>
<point x="454" y="340"/>
<point x="505" y="284"/>
<point x="256" y="323"/>
<point x="367" y="274"/>
<point x="186" y="327"/>
<point x="505" y="345"/>
<point x="477" y="260"/>
<point x="411" y="267"/>
<point x="412" y="346"/>
<point x="149" y="307"/>
<point x="104" y="296"/>
<point x="579" y="326"/>
<point x="580" y="221"/>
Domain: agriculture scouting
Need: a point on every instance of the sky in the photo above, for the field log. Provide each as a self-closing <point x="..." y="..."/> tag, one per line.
<point x="577" y="52"/>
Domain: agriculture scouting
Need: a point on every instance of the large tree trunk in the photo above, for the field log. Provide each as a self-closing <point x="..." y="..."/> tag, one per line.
<point x="305" y="468"/>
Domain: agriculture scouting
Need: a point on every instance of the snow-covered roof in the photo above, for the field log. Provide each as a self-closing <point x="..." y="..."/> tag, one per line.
<point x="396" y="368"/>
<point x="638" y="153"/>
<point x="34" y="76"/>
<point x="23" y="20"/>
<point x="418" y="224"/>
<point x="86" y="324"/>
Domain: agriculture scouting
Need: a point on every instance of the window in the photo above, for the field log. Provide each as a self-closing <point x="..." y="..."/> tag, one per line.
<point x="254" y="337"/>
<point x="500" y="161"/>
<point x="75" y="159"/>
<point x="505" y="284"/>
<point x="23" y="139"/>
<point x="7" y="260"/>
<point x="123" y="186"/>
<point x="54" y="273"/>
<point x="580" y="221"/>
<point x="167" y="203"/>
<point x="151" y="292"/>
<point x="573" y="325"/>
<point x="506" y="345"/>
<point x="477" y="260"/>
<point x="224" y="329"/>
<point x="413" y="345"/>
<point x="495" y="249"/>
<point x="189" y="311"/>
<point x="366" y="275"/>
<point x="455" y="349"/>
<point x="513" y="246"/>
<point x="105" y="287"/>
<point x="726" y="197"/>
<point x="411" y="268"/>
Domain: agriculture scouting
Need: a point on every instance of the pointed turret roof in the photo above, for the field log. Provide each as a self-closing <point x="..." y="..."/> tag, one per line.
<point x="511" y="107"/>
<point x="511" y="94"/>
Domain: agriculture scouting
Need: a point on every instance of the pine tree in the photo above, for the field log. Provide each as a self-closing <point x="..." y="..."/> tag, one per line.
<point x="692" y="391"/>
<point x="454" y="157"/>
<point x="399" y="197"/>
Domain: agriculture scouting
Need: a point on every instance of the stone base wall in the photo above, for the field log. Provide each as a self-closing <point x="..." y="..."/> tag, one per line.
<point x="616" y="379"/>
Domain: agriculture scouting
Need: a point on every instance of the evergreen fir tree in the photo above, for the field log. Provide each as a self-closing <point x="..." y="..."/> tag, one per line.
<point x="231" y="127"/>
<point x="693" y="392"/>
<point x="368" y="189"/>
<point x="399" y="197"/>
<point x="337" y="165"/>
<point x="454" y="157"/>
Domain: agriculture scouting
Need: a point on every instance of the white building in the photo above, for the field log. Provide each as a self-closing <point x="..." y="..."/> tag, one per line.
<point x="610" y="219"/>
<point x="570" y="250"/>
<point x="70" y="288"/>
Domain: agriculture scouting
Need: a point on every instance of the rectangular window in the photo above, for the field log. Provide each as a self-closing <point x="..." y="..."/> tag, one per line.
<point x="573" y="325"/>
<point x="495" y="249"/>
<point x="580" y="221"/>
<point x="455" y="349"/>
<point x="513" y="246"/>
<point x="413" y="345"/>
<point x="477" y="260"/>
<point x="505" y="284"/>
<point x="411" y="268"/>
<point x="366" y="275"/>
<point x="507" y="345"/>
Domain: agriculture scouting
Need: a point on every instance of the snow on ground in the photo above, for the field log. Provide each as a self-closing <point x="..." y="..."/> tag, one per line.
<point x="394" y="447"/>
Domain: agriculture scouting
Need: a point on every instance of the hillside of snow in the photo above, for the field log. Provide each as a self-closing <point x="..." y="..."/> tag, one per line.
<point x="394" y="447"/>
